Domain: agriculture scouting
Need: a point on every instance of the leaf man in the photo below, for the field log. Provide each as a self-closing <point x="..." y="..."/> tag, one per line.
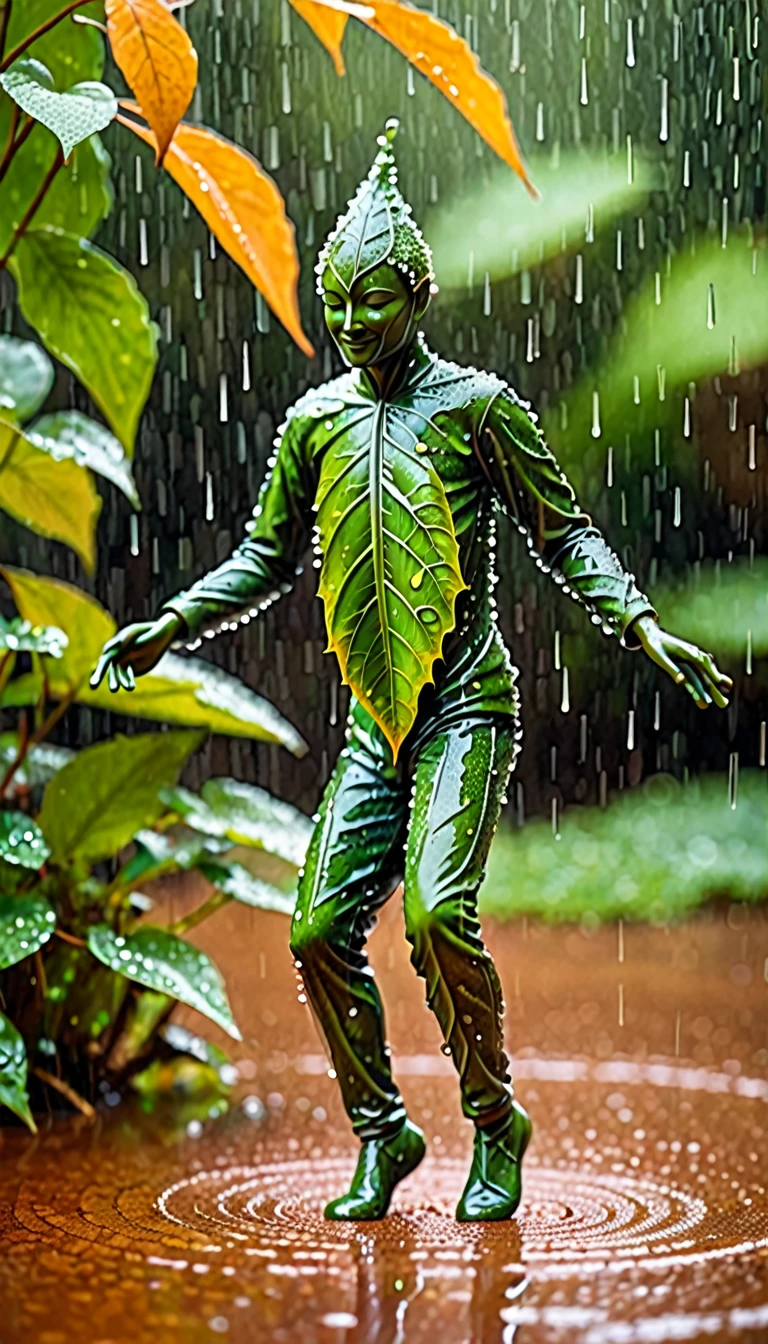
<point x="396" y="470"/>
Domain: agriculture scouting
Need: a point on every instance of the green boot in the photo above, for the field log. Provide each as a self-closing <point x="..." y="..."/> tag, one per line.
<point x="381" y="1165"/>
<point x="494" y="1185"/>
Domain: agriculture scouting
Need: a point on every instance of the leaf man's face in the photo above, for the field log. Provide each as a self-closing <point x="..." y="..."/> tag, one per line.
<point x="374" y="319"/>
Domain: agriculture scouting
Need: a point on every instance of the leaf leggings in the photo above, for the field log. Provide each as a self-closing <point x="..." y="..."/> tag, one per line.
<point x="427" y="822"/>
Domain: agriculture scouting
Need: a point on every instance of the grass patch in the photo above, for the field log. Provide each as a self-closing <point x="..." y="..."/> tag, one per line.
<point x="655" y="854"/>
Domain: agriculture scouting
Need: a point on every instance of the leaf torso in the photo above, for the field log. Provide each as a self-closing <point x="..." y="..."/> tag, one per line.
<point x="397" y="489"/>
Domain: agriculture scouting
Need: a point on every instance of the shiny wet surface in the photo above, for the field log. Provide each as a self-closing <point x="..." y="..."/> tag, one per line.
<point x="645" y="1215"/>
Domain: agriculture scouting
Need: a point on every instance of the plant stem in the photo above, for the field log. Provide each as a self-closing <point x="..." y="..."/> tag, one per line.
<point x="42" y="979"/>
<point x="37" y="736"/>
<point x="201" y="912"/>
<point x="10" y="450"/>
<point x="34" y="206"/>
<point x="19" y="758"/>
<point x="12" y="129"/>
<point x="4" y="21"/>
<point x="6" y="668"/>
<point x="70" y="938"/>
<point x="80" y="1104"/>
<point x="44" y="28"/>
<point x="15" y="145"/>
<point x="53" y="717"/>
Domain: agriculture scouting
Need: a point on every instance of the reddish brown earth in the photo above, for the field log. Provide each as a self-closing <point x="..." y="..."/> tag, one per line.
<point x="645" y="1215"/>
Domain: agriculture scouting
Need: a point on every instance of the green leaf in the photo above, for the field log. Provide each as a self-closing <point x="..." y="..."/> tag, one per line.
<point x="27" y="923"/>
<point x="73" y="115"/>
<point x="198" y="693"/>
<point x="513" y="232"/>
<point x="158" y="959"/>
<point x="54" y="498"/>
<point x="22" y="842"/>
<point x="40" y="763"/>
<point x="188" y="691"/>
<point x="20" y="636"/>
<point x="67" y="434"/>
<point x="235" y="881"/>
<point x="246" y="815"/>
<point x="718" y="296"/>
<point x="13" y="1073"/>
<point x="86" y="624"/>
<point x="162" y="853"/>
<point x="390" y="573"/>
<point x="79" y="198"/>
<point x="26" y="378"/>
<point x="98" y="802"/>
<point x="89" y="313"/>
<point x="80" y="56"/>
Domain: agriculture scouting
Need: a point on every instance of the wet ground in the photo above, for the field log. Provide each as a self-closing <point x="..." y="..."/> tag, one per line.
<point x="642" y="1055"/>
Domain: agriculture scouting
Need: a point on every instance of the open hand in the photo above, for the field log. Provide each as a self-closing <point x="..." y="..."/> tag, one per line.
<point x="688" y="665"/>
<point x="135" y="650"/>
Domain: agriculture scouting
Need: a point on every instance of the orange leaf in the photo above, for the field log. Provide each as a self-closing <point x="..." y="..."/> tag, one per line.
<point x="158" y="61"/>
<point x="448" y="62"/>
<point x="243" y="208"/>
<point x="326" y="23"/>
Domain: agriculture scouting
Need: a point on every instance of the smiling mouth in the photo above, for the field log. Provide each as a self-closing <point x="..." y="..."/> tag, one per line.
<point x="357" y="345"/>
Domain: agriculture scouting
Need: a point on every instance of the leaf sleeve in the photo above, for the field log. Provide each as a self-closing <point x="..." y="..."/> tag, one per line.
<point x="562" y="537"/>
<point x="266" y="563"/>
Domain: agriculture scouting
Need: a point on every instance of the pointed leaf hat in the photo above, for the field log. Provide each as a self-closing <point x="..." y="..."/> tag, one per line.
<point x="377" y="228"/>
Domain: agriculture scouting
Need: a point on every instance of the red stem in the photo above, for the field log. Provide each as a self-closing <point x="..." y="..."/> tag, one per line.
<point x="4" y="21"/>
<point x="44" y="28"/>
<point x="15" y="145"/>
<point x="35" y="204"/>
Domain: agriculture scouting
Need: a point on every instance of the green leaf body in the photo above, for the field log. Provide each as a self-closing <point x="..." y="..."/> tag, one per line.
<point x="86" y="624"/>
<point x="22" y="842"/>
<point x="70" y="434"/>
<point x="80" y="57"/>
<point x="79" y="198"/>
<point x="246" y="816"/>
<point x="26" y="924"/>
<point x="26" y="378"/>
<point x="81" y="194"/>
<point x="72" y="116"/>
<point x="161" y="961"/>
<point x="13" y="1073"/>
<point x="235" y="881"/>
<point x="198" y="693"/>
<point x="89" y="313"/>
<point x="98" y="802"/>
<point x="390" y="573"/>
<point x="187" y="691"/>
<point x="54" y="497"/>
<point x="162" y="853"/>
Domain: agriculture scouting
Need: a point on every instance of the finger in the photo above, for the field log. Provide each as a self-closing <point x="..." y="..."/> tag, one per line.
<point x="669" y="666"/>
<point x="718" y="677"/>
<point x="123" y="677"/>
<point x="695" y="685"/>
<point x="98" y="673"/>
<point x="114" y="684"/>
<point x="129" y="678"/>
<point x="121" y="640"/>
<point x="713" y="679"/>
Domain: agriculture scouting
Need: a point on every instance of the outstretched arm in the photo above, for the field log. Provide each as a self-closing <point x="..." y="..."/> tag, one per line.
<point x="262" y="567"/>
<point x="565" y="541"/>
